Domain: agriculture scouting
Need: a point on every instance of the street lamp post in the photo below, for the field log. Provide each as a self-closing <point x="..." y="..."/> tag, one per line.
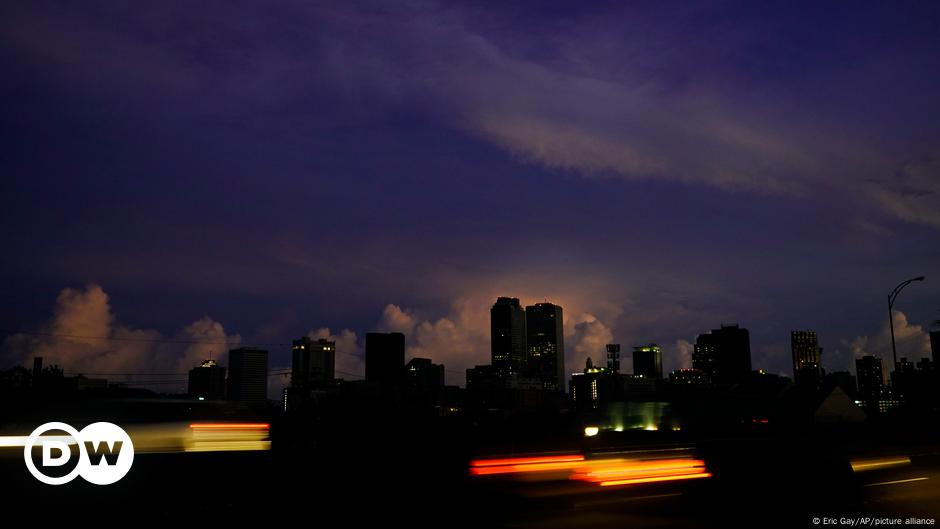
<point x="891" y="297"/>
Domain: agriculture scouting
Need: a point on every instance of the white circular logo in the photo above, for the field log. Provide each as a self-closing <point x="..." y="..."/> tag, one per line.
<point x="106" y="452"/>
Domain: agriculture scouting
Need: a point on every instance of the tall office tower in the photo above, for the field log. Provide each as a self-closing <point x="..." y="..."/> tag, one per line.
<point x="935" y="345"/>
<point x="207" y="381"/>
<point x="313" y="363"/>
<point x="425" y="378"/>
<point x="507" y="337"/>
<point x="869" y="372"/>
<point x="648" y="361"/>
<point x="546" y="343"/>
<point x="248" y="376"/>
<point x="724" y="354"/>
<point x="613" y="357"/>
<point x="807" y="358"/>
<point x="385" y="358"/>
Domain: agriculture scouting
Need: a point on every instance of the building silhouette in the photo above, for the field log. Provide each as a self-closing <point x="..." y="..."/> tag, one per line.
<point x="724" y="354"/>
<point x="593" y="388"/>
<point x="313" y="363"/>
<point x="385" y="358"/>
<point x="546" y="345"/>
<point x="807" y="358"/>
<point x="869" y="373"/>
<point x="648" y="361"/>
<point x="904" y="378"/>
<point x="935" y="345"/>
<point x="508" y="337"/>
<point x="688" y="377"/>
<point x="613" y="357"/>
<point x="425" y="380"/>
<point x="248" y="376"/>
<point x="207" y="381"/>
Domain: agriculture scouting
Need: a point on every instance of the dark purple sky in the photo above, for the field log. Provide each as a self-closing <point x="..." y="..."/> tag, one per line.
<point x="270" y="169"/>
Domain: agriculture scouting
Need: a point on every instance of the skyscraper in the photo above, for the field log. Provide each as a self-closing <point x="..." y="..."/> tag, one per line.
<point x="935" y="345"/>
<point x="546" y="343"/>
<point x="648" y="361"/>
<point x="207" y="381"/>
<point x="425" y="379"/>
<point x="807" y="358"/>
<point x="248" y="376"/>
<point x="385" y="358"/>
<point x="613" y="357"/>
<point x="507" y="337"/>
<point x="869" y="372"/>
<point x="724" y="354"/>
<point x="312" y="363"/>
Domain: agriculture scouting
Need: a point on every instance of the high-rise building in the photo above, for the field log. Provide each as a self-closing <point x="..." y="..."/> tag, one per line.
<point x="807" y="358"/>
<point x="207" y="381"/>
<point x="313" y="363"/>
<point x="613" y="357"/>
<point x="724" y="354"/>
<point x="385" y="358"/>
<point x="648" y="361"/>
<point x="425" y="378"/>
<point x="248" y="376"/>
<point x="546" y="343"/>
<point x="935" y="345"/>
<point x="507" y="337"/>
<point x="593" y="388"/>
<point x="869" y="372"/>
<point x="688" y="377"/>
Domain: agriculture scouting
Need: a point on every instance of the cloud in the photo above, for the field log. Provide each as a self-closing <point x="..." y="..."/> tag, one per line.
<point x="589" y="340"/>
<point x="649" y="105"/>
<point x="911" y="340"/>
<point x="912" y="193"/>
<point x="82" y="317"/>
<point x="677" y="100"/>
<point x="395" y="319"/>
<point x="681" y="357"/>
<point x="205" y="330"/>
<point x="459" y="340"/>
<point x="350" y="359"/>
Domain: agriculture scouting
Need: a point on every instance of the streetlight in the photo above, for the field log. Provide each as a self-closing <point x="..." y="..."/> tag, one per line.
<point x="891" y="297"/>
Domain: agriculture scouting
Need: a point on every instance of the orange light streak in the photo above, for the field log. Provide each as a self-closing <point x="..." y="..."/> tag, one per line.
<point x="654" y="479"/>
<point x="230" y="426"/>
<point x="526" y="460"/>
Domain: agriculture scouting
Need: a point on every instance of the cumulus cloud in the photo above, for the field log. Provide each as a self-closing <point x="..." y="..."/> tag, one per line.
<point x="681" y="357"/>
<point x="589" y="340"/>
<point x="459" y="340"/>
<point x="396" y="319"/>
<point x="84" y="336"/>
<point x="911" y="340"/>
<point x="350" y="361"/>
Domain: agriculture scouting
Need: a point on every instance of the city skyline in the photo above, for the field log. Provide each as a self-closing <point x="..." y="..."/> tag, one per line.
<point x="355" y="353"/>
<point x="729" y="164"/>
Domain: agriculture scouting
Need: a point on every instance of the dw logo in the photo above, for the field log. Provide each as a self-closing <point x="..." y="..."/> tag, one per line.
<point x="105" y="451"/>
